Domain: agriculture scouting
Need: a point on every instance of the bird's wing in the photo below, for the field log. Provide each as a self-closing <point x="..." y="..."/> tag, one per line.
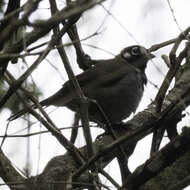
<point x="87" y="80"/>
<point x="105" y="74"/>
<point x="109" y="75"/>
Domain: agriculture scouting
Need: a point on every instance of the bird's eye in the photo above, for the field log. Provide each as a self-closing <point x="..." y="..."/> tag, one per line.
<point x="135" y="51"/>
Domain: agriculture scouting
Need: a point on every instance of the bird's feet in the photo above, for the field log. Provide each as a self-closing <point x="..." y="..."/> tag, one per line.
<point x="114" y="127"/>
<point x="118" y="125"/>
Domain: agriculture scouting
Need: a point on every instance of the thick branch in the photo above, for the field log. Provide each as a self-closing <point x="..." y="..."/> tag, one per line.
<point x="137" y="128"/>
<point x="43" y="27"/>
<point x="8" y="173"/>
<point x="165" y="157"/>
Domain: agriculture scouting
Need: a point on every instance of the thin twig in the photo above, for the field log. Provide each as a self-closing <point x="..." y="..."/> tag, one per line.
<point x="18" y="83"/>
<point x="107" y="176"/>
<point x="172" y="71"/>
<point x="11" y="14"/>
<point x="49" y="124"/>
<point x="173" y="15"/>
<point x="155" y="47"/>
<point x="175" y="64"/>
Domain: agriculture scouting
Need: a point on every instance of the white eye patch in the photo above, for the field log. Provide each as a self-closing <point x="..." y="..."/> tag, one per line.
<point x="126" y="55"/>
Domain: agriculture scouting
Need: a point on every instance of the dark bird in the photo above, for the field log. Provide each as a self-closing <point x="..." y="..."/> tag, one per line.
<point x="116" y="84"/>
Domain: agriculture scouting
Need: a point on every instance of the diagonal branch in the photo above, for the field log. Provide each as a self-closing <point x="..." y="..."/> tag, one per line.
<point x="8" y="173"/>
<point x="19" y="82"/>
<point x="49" y="124"/>
<point x="41" y="28"/>
<point x="175" y="63"/>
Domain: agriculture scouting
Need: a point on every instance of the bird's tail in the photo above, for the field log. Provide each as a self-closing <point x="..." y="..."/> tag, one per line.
<point x="58" y="99"/>
<point x="19" y="114"/>
<point x="25" y="110"/>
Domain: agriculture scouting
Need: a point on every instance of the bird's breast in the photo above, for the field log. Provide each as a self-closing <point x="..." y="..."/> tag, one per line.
<point x="120" y="99"/>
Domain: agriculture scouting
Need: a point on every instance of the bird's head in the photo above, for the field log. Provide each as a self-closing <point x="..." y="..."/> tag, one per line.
<point x="137" y="55"/>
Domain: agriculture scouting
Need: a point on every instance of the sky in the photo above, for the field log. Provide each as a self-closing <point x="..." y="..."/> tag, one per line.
<point x="120" y="24"/>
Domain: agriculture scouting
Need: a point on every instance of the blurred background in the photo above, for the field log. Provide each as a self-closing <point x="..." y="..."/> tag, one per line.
<point x="112" y="25"/>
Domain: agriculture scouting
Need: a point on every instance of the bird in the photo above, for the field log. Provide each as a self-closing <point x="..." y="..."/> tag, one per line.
<point x="116" y="84"/>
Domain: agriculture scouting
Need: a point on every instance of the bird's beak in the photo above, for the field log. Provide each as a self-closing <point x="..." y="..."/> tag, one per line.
<point x="151" y="56"/>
